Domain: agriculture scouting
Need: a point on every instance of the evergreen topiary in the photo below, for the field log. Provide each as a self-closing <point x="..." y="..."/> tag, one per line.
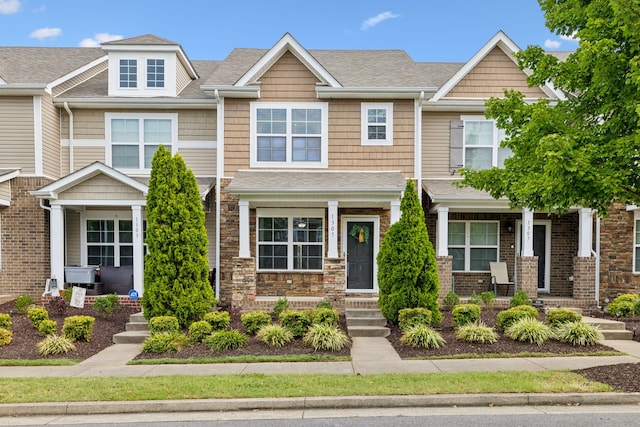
<point x="407" y="268"/>
<point x="176" y="269"/>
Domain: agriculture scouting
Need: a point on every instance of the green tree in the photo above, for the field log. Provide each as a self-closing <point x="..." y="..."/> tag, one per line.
<point x="407" y="267"/>
<point x="176" y="267"/>
<point x="585" y="149"/>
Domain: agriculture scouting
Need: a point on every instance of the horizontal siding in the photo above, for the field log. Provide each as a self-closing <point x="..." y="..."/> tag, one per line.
<point x="236" y="136"/>
<point x="72" y="230"/>
<point x="88" y="124"/>
<point x="435" y="144"/>
<point x="182" y="77"/>
<point x="80" y="78"/>
<point x="82" y="156"/>
<point x="493" y="73"/>
<point x="288" y="80"/>
<point x="17" y="147"/>
<point x="5" y="191"/>
<point x="101" y="187"/>
<point x="197" y="125"/>
<point x="50" y="138"/>
<point x="201" y="161"/>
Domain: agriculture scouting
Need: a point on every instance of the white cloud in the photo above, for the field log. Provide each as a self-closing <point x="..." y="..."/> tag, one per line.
<point x="375" y="20"/>
<point x="45" y="33"/>
<point x="9" y="7"/>
<point x="98" y="39"/>
<point x="552" y="44"/>
<point x="571" y="38"/>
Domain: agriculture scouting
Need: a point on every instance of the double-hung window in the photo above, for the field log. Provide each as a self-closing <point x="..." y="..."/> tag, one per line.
<point x="482" y="143"/>
<point x="473" y="244"/>
<point x="377" y="123"/>
<point x="128" y="73"/>
<point x="290" y="242"/>
<point x="289" y="134"/>
<point x="135" y="138"/>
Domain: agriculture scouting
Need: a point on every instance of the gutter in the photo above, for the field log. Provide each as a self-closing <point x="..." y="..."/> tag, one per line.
<point x="373" y="92"/>
<point x="71" y="154"/>
<point x="166" y="103"/>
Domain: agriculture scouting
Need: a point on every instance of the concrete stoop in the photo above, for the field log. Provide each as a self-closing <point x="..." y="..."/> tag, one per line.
<point x="366" y="322"/>
<point x="136" y="331"/>
<point x="611" y="329"/>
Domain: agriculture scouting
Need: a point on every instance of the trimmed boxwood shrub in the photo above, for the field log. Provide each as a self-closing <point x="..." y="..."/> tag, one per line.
<point x="297" y="321"/>
<point x="5" y="321"/>
<point x="47" y="327"/>
<point x="5" y="336"/>
<point x="324" y="316"/>
<point x="163" y="324"/>
<point x="163" y="342"/>
<point x="78" y="327"/>
<point x="199" y="330"/>
<point x="219" y="320"/>
<point x="623" y="306"/>
<point x="36" y="315"/>
<point x="558" y="316"/>
<point x="509" y="316"/>
<point x="255" y="320"/>
<point x="408" y="317"/>
<point x="465" y="313"/>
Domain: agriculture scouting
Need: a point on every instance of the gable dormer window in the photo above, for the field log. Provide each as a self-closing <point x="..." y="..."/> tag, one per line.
<point x="155" y="72"/>
<point x="128" y="73"/>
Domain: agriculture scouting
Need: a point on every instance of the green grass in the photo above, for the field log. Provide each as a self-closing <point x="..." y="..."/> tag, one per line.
<point x="515" y="355"/>
<point x="39" y="362"/>
<point x="59" y="389"/>
<point x="242" y="359"/>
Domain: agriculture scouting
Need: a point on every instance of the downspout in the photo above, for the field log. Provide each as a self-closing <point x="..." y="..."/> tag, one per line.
<point x="219" y="171"/>
<point x="66" y="107"/>
<point x="597" y="255"/>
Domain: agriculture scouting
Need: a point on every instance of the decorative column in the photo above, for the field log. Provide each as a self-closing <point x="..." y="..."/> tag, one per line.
<point x="244" y="251"/>
<point x="442" y="242"/>
<point x="527" y="232"/>
<point x="585" y="235"/>
<point x="527" y="263"/>
<point x="395" y="211"/>
<point x="445" y="261"/>
<point x="138" y="249"/>
<point x="332" y="250"/>
<point x="56" y="238"/>
<point x="584" y="265"/>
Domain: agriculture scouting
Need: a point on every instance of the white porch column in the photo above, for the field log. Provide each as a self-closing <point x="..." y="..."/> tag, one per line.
<point x="332" y="250"/>
<point x="56" y="239"/>
<point x="395" y="211"/>
<point x="138" y="249"/>
<point x="585" y="239"/>
<point x="527" y="232"/>
<point x="244" y="252"/>
<point x="442" y="242"/>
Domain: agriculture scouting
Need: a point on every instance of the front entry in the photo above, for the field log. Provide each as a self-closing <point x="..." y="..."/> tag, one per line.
<point x="359" y="237"/>
<point x="541" y="249"/>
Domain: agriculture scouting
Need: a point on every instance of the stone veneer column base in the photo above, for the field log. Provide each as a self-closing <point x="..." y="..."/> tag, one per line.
<point x="243" y="282"/>
<point x="584" y="278"/>
<point x="335" y="282"/>
<point x="527" y="275"/>
<point x="445" y="274"/>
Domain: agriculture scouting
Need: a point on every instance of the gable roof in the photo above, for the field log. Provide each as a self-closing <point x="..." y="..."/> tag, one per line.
<point x="146" y="39"/>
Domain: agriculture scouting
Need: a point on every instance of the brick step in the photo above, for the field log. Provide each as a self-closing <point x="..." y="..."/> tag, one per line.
<point x="368" y="331"/>
<point x="131" y="337"/>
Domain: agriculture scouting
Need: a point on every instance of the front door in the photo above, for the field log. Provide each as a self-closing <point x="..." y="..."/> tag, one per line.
<point x="360" y="237"/>
<point x="541" y="249"/>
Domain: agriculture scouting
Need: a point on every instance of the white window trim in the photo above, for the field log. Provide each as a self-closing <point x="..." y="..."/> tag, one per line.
<point x="636" y="218"/>
<point x="496" y="138"/>
<point x="170" y="74"/>
<point x="324" y="138"/>
<point x="101" y="216"/>
<point x="364" y="124"/>
<point x="290" y="214"/>
<point x="140" y="117"/>
<point x="467" y="244"/>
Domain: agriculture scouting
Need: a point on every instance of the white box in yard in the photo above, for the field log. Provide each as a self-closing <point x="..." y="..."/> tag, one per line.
<point x="80" y="274"/>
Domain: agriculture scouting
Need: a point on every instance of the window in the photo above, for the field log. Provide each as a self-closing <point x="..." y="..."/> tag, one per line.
<point x="110" y="242"/>
<point x="128" y="73"/>
<point x="285" y="135"/>
<point x="377" y="123"/>
<point x="482" y="144"/>
<point x="473" y="244"/>
<point x="290" y="242"/>
<point x="155" y="72"/>
<point x="134" y="139"/>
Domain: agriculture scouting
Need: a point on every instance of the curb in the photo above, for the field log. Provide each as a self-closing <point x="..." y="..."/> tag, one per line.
<point x="329" y="402"/>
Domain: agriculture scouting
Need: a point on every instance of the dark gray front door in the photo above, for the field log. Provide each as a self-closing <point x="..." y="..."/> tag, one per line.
<point x="540" y="250"/>
<point x="360" y="255"/>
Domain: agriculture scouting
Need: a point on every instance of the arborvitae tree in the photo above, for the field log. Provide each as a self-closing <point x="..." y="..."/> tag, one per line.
<point x="176" y="268"/>
<point x="407" y="267"/>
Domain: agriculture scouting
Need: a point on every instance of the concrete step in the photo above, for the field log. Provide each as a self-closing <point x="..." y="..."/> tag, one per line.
<point x="131" y="337"/>
<point x="137" y="326"/>
<point x="617" y="334"/>
<point x="137" y="317"/>
<point x="604" y="324"/>
<point x="6" y="298"/>
<point x="368" y="331"/>
<point x="362" y="312"/>
<point x="366" y="321"/>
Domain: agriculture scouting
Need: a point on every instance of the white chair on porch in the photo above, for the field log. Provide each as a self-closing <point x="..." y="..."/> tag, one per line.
<point x="499" y="276"/>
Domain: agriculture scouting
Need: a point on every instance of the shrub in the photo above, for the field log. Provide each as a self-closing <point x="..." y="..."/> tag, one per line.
<point x="529" y="330"/>
<point x="199" y="330"/>
<point x="55" y="344"/>
<point x="163" y="324"/>
<point x="488" y="298"/>
<point x="509" y="316"/>
<point x="66" y="295"/>
<point x="297" y="321"/>
<point x="324" y="304"/>
<point x="578" y="333"/>
<point x="23" y="302"/>
<point x="623" y="306"/>
<point x="422" y="336"/>
<point x="5" y="336"/>
<point x="47" y="327"/>
<point x="254" y="321"/>
<point x="475" y="299"/>
<point x="106" y="304"/>
<point x="163" y="342"/>
<point x="557" y="316"/>
<point x="37" y="315"/>
<point x="520" y="298"/>
<point x="274" y="335"/>
<point x="325" y="316"/>
<point x="78" y="327"/>
<point x="450" y="301"/>
<point x="219" y="320"/>
<point x="281" y="305"/>
<point x="408" y="317"/>
<point x="226" y="340"/>
<point x="58" y="305"/>
<point x="465" y="313"/>
<point x="477" y="333"/>
<point x="5" y="321"/>
<point x="325" y="337"/>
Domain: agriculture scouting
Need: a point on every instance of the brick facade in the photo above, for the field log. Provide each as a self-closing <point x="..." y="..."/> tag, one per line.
<point x="584" y="273"/>
<point x="24" y="233"/>
<point x="527" y="275"/>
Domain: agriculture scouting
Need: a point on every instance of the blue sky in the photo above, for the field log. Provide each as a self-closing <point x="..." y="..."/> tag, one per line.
<point x="429" y="30"/>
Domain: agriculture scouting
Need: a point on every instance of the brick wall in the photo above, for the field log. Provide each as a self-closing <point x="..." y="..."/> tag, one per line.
<point x="24" y="230"/>
<point x="584" y="278"/>
<point x="528" y="275"/>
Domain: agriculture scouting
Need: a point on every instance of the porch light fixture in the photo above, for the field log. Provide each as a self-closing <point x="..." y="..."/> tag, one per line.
<point x="302" y="224"/>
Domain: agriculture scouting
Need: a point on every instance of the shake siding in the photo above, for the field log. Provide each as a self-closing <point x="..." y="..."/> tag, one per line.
<point x="201" y="161"/>
<point x="80" y="78"/>
<point x="5" y="191"/>
<point x="495" y="72"/>
<point x="288" y="80"/>
<point x="17" y="147"/>
<point x="51" y="138"/>
<point x="435" y="144"/>
<point x="236" y="136"/>
<point x="182" y="77"/>
<point x="72" y="229"/>
<point x="346" y="151"/>
<point x="197" y="125"/>
<point x="101" y="187"/>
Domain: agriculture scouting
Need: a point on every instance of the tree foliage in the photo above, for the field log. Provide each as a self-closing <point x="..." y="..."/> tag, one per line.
<point x="407" y="267"/>
<point x="176" y="267"/>
<point x="584" y="150"/>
